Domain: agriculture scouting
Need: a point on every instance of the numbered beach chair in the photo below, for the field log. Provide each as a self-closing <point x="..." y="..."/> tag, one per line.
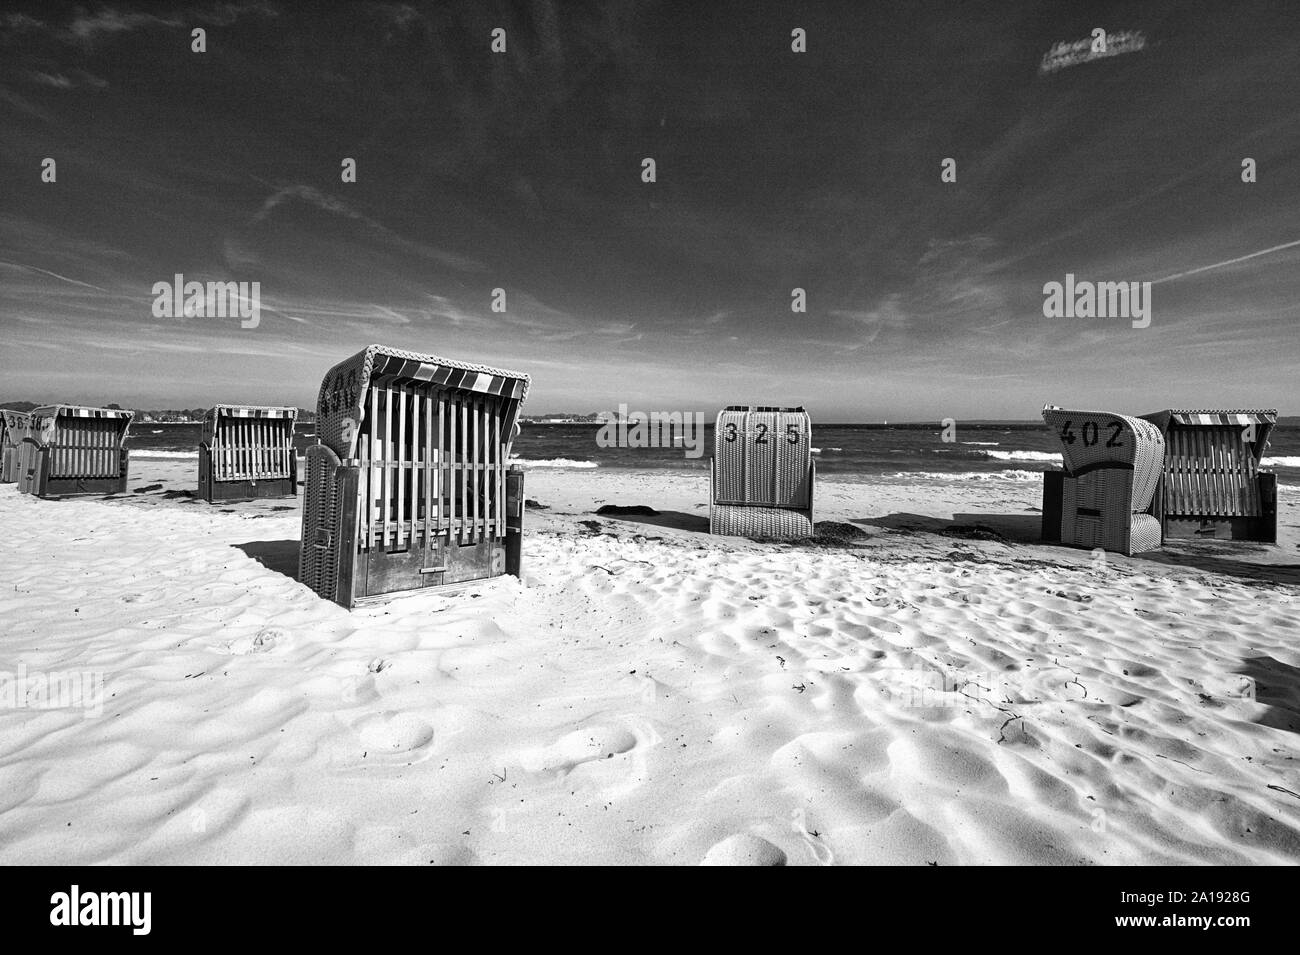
<point x="1213" y="486"/>
<point x="13" y="429"/>
<point x="410" y="487"/>
<point x="763" y="473"/>
<point x="74" y="450"/>
<point x="1104" y="495"/>
<point x="246" y="452"/>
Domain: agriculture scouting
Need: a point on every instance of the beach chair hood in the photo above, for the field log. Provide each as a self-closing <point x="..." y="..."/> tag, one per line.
<point x="1264" y="421"/>
<point x="13" y="432"/>
<point x="1091" y="438"/>
<point x="340" y="406"/>
<point x="13" y="426"/>
<point x="44" y="420"/>
<point x="216" y="412"/>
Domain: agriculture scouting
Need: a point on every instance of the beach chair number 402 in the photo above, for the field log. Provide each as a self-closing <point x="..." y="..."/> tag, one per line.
<point x="1104" y="495"/>
<point x="1090" y="434"/>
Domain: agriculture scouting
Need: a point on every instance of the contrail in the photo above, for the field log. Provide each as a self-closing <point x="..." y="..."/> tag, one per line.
<point x="1219" y="265"/>
<point x="61" y="278"/>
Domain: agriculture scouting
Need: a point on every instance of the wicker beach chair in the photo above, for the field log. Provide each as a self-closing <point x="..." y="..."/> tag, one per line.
<point x="13" y="430"/>
<point x="410" y="487"/>
<point x="1104" y="495"/>
<point x="71" y="449"/>
<point x="246" y="452"/>
<point x="763" y="473"/>
<point x="1213" y="486"/>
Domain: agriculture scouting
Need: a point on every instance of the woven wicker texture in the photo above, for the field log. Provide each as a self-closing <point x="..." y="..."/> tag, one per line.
<point x="767" y="523"/>
<point x="763" y="457"/>
<point x="1113" y="465"/>
<point x="1107" y="491"/>
<point x="1089" y="438"/>
<point x="340" y="407"/>
<point x="318" y="552"/>
<point x="1145" y="534"/>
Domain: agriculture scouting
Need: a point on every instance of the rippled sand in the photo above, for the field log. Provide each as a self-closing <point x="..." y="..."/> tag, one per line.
<point x="650" y="694"/>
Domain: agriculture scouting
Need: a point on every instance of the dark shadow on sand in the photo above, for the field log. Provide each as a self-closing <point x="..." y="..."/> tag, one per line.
<point x="677" y="520"/>
<point x="1214" y="557"/>
<point x="1222" y="557"/>
<point x="279" y="556"/>
<point x="1015" y="528"/>
<point x="1277" y="686"/>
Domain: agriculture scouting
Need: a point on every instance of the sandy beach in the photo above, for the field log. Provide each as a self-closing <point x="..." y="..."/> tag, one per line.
<point x="927" y="685"/>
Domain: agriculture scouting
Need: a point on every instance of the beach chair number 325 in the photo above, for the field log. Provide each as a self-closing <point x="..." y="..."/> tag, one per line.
<point x="1089" y="433"/>
<point x="791" y="433"/>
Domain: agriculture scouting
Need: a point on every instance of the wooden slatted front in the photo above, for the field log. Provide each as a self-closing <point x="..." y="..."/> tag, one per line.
<point x="86" y="447"/>
<point x="252" y="448"/>
<point x="1211" y="472"/>
<point x="432" y="466"/>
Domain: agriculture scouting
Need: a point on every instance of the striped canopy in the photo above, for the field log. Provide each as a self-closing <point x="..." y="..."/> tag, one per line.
<point x="343" y="390"/>
<point x="1234" y="417"/>
<point x="80" y="411"/>
<point x="250" y="411"/>
<point x="1263" y="418"/>
<point x="44" y="419"/>
<point x="217" y="412"/>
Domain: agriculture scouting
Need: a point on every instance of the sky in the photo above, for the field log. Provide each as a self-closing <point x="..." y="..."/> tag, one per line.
<point x="774" y="170"/>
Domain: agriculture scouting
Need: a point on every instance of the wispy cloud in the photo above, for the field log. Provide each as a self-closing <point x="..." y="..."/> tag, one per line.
<point x="108" y="21"/>
<point x="320" y="200"/>
<point x="87" y="27"/>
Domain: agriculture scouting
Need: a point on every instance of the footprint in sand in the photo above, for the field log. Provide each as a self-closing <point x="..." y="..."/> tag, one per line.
<point x="743" y="849"/>
<point x="387" y="738"/>
<point x="265" y="640"/>
<point x="394" y="733"/>
<point x="581" y="746"/>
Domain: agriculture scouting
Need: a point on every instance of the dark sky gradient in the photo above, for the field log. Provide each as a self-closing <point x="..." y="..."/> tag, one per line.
<point x="775" y="170"/>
